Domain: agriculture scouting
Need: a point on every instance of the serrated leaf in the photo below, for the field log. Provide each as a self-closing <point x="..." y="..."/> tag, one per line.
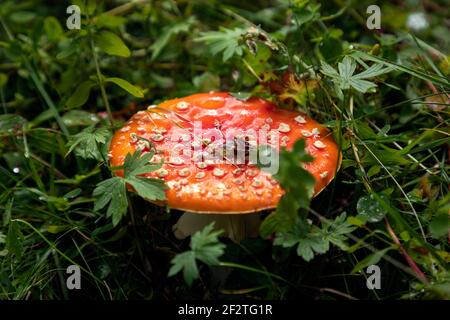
<point x="185" y="262"/>
<point x="305" y="251"/>
<point x="337" y="230"/>
<point x="86" y="143"/>
<point x="346" y="79"/>
<point x="112" y="191"/>
<point x="138" y="163"/>
<point x="125" y="85"/>
<point x="150" y="189"/>
<point x="309" y="245"/>
<point x="205" y="247"/>
<point x="226" y="41"/>
<point x="111" y="44"/>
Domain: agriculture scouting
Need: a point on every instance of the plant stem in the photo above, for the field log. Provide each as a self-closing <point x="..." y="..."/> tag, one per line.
<point x="101" y="84"/>
<point x="420" y="275"/>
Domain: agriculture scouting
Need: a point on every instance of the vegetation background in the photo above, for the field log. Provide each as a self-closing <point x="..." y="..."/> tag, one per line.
<point x="384" y="94"/>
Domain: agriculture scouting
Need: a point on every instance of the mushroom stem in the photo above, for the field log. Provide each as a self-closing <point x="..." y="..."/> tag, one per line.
<point x="235" y="226"/>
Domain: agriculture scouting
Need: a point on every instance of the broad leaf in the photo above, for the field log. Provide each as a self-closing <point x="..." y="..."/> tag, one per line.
<point x="125" y="85"/>
<point x="111" y="44"/>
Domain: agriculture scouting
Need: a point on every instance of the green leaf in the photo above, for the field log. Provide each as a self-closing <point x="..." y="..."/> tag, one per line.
<point x="138" y="163"/>
<point x="370" y="260"/>
<point x="328" y="70"/>
<point x="269" y="225"/>
<point x="14" y="240"/>
<point x="81" y="94"/>
<point x="331" y="48"/>
<point x="311" y="240"/>
<point x="53" y="29"/>
<point x="374" y="170"/>
<point x="147" y="188"/>
<point x="185" y="262"/>
<point x="109" y="21"/>
<point x="305" y="251"/>
<point x="373" y="71"/>
<point x="346" y="79"/>
<point x="439" y="226"/>
<point x="73" y="193"/>
<point x="111" y="44"/>
<point x="74" y="118"/>
<point x="7" y="214"/>
<point x="306" y="14"/>
<point x="226" y="41"/>
<point x="370" y="209"/>
<point x="11" y="122"/>
<point x="22" y="16"/>
<point x="307" y="238"/>
<point x="69" y="48"/>
<point x="306" y="247"/>
<point x="337" y="230"/>
<point x="424" y="75"/>
<point x="361" y="85"/>
<point x="346" y="68"/>
<point x="205" y="247"/>
<point x="45" y="140"/>
<point x="135" y="91"/>
<point x="298" y="191"/>
<point x="91" y="5"/>
<point x="3" y="79"/>
<point x="2" y="240"/>
<point x="114" y="192"/>
<point x="87" y="142"/>
<point x="167" y="33"/>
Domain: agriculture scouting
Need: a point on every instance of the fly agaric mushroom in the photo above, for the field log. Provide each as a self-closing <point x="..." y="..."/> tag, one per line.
<point x="222" y="188"/>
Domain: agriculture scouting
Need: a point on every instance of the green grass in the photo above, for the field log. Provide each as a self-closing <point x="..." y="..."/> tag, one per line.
<point x="384" y="94"/>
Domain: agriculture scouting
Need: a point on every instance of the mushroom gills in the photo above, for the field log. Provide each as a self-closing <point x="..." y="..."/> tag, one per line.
<point x="235" y="226"/>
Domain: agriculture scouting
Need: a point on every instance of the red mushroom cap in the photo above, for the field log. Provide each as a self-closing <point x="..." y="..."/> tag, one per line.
<point x="221" y="186"/>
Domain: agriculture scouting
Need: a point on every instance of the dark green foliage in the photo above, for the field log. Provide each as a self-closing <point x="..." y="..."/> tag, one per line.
<point x="114" y="191"/>
<point x="205" y="247"/>
<point x="298" y="191"/>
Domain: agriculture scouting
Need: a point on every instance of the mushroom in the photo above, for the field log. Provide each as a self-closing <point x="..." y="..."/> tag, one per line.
<point x="185" y="132"/>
